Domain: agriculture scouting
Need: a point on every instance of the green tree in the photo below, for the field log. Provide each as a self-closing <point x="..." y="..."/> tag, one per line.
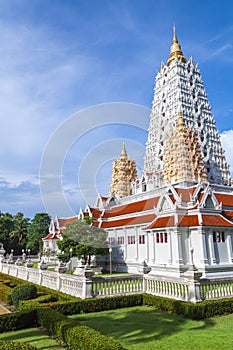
<point x="19" y="232"/>
<point x="84" y="239"/>
<point x="38" y="229"/>
<point x="6" y="226"/>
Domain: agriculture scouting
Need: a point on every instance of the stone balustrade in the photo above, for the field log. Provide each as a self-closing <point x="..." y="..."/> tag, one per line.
<point x="117" y="285"/>
<point x="172" y="288"/>
<point x="192" y="288"/>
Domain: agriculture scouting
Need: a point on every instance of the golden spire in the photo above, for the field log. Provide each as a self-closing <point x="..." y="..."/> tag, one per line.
<point x="123" y="151"/>
<point x="175" y="52"/>
<point x="180" y="121"/>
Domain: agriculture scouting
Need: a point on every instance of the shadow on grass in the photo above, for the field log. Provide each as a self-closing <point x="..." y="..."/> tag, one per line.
<point x="140" y="324"/>
<point x="34" y="336"/>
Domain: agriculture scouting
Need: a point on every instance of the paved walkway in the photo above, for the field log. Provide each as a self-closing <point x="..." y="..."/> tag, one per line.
<point x="3" y="310"/>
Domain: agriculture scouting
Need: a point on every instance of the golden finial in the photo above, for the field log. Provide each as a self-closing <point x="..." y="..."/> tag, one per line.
<point x="180" y="121"/>
<point x="175" y="52"/>
<point x="123" y="151"/>
<point x="191" y="62"/>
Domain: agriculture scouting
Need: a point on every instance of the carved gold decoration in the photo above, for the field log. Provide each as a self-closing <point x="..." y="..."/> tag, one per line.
<point x="124" y="172"/>
<point x="183" y="156"/>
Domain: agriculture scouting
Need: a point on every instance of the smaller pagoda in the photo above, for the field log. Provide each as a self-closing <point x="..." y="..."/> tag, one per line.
<point x="124" y="172"/>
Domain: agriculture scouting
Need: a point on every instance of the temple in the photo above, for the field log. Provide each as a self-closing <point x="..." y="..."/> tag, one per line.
<point x="178" y="217"/>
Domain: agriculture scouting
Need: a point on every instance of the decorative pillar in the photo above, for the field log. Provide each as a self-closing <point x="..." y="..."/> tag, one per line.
<point x="169" y="242"/>
<point x="203" y="258"/>
<point x="177" y="247"/>
<point x="126" y="244"/>
<point x="211" y="248"/>
<point x="87" y="282"/>
<point x="136" y="243"/>
<point x="151" y="242"/>
<point x="229" y="247"/>
<point x="193" y="277"/>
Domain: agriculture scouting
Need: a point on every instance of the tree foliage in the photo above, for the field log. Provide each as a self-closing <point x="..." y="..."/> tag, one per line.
<point x="84" y="240"/>
<point x="38" y="229"/>
<point x="18" y="232"/>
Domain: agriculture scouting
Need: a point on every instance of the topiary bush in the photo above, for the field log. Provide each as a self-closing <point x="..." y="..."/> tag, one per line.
<point x="24" y="291"/>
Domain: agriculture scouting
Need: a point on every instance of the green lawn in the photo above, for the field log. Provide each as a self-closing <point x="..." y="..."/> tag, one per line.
<point x="34" y="336"/>
<point x="145" y="328"/>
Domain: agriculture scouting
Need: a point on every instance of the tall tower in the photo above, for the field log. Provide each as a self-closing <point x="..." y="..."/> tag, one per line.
<point x="123" y="173"/>
<point x="183" y="159"/>
<point x="179" y="87"/>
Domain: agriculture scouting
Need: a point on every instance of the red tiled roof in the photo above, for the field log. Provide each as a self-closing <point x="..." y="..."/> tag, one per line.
<point x="165" y="221"/>
<point x="65" y="222"/>
<point x="188" y="220"/>
<point x="185" y="193"/>
<point x="228" y="214"/>
<point x="51" y="236"/>
<point x="226" y="199"/>
<point x="96" y="212"/>
<point x="95" y="223"/>
<point x="130" y="208"/>
<point x="216" y="220"/>
<point x="143" y="219"/>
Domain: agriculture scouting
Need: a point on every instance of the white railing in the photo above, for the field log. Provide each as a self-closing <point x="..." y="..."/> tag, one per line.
<point x="118" y="285"/>
<point x="170" y="288"/>
<point x="216" y="289"/>
<point x="70" y="284"/>
<point x="185" y="289"/>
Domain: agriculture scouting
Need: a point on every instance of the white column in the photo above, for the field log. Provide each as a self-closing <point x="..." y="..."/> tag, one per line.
<point x="229" y="247"/>
<point x="211" y="248"/>
<point x="177" y="247"/>
<point x="126" y="244"/>
<point x="203" y="257"/>
<point x="136" y="242"/>
<point x="169" y="242"/>
<point x="151" y="242"/>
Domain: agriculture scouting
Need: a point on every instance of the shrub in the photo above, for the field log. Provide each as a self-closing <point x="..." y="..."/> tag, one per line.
<point x="193" y="311"/>
<point x="23" y="292"/>
<point x="95" y="305"/>
<point x="10" y="345"/>
<point x="17" y="320"/>
<point x="5" y="293"/>
<point x="74" y="335"/>
<point x="37" y="302"/>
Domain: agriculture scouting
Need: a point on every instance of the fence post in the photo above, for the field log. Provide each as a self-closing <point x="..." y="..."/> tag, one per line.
<point x="87" y="288"/>
<point x="194" y="286"/>
<point x="87" y="282"/>
<point x="58" y="281"/>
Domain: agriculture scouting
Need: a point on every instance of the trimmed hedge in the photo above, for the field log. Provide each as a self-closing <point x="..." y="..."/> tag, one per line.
<point x="14" y="281"/>
<point x="17" y="320"/>
<point x="76" y="336"/>
<point x="10" y="345"/>
<point x="5" y="293"/>
<point x="85" y="305"/>
<point x="100" y="304"/>
<point x="24" y="291"/>
<point x="37" y="302"/>
<point x="199" y="311"/>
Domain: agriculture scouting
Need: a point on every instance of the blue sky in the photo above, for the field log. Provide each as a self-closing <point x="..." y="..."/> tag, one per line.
<point x="58" y="58"/>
